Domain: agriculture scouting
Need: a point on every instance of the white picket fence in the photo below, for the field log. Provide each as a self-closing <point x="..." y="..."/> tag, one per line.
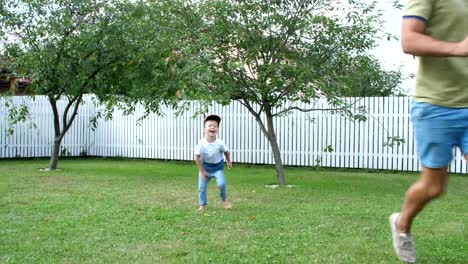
<point x="302" y="142"/>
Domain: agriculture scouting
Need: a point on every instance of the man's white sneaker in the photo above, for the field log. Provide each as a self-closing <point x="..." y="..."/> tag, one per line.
<point x="402" y="242"/>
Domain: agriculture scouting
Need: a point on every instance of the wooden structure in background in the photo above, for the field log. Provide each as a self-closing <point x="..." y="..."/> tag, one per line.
<point x="18" y="86"/>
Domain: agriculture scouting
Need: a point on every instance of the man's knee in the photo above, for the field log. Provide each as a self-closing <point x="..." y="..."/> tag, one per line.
<point x="430" y="191"/>
<point x="425" y="190"/>
<point x="434" y="181"/>
<point x="435" y="191"/>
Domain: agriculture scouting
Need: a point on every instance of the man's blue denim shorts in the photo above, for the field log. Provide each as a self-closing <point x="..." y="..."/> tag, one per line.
<point x="437" y="130"/>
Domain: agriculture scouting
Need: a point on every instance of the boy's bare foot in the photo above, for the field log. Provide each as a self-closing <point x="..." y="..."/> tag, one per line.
<point x="200" y="209"/>
<point x="227" y="205"/>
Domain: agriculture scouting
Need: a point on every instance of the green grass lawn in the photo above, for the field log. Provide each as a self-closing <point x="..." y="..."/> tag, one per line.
<point x="143" y="211"/>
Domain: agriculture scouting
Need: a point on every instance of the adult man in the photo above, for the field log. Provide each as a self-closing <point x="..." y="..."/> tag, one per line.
<point x="437" y="32"/>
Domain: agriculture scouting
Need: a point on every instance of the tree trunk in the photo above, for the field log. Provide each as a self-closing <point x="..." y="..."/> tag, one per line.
<point x="55" y="154"/>
<point x="278" y="162"/>
<point x="67" y="122"/>
<point x="269" y="132"/>
<point x="275" y="148"/>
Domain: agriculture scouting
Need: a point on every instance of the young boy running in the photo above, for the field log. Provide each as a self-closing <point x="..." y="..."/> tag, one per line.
<point x="210" y="163"/>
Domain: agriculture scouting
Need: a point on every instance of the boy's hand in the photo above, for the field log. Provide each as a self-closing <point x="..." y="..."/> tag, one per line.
<point x="229" y="164"/>
<point x="204" y="174"/>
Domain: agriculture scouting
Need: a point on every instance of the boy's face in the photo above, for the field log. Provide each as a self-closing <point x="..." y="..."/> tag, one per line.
<point x="211" y="128"/>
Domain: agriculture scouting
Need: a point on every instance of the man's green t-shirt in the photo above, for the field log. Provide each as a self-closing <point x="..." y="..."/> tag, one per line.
<point x="441" y="80"/>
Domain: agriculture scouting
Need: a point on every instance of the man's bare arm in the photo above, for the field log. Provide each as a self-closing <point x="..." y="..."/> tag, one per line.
<point x="415" y="42"/>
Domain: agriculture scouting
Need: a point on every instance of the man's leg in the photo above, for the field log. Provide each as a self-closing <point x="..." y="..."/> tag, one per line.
<point x="436" y="131"/>
<point x="430" y="185"/>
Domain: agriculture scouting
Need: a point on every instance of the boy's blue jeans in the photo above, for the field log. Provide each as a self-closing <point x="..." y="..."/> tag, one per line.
<point x="203" y="183"/>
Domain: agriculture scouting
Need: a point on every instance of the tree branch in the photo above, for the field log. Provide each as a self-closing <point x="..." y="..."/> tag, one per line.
<point x="74" y="114"/>
<point x="65" y="121"/>
<point x="255" y="114"/>
<point x="306" y="110"/>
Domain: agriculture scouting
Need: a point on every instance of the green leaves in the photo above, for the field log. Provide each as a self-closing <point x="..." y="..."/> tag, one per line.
<point x="394" y="141"/>
<point x="111" y="49"/>
<point x="122" y="52"/>
<point x="271" y="52"/>
<point x="17" y="114"/>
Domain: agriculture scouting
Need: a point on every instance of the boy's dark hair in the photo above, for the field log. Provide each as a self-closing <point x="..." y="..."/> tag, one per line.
<point x="213" y="118"/>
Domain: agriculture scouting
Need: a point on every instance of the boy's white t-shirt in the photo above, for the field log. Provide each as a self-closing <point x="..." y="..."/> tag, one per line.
<point x="211" y="152"/>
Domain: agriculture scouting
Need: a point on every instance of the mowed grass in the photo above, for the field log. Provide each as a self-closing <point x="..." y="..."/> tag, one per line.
<point x="143" y="211"/>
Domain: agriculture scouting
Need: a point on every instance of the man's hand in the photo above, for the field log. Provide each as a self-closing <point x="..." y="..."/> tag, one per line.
<point x="461" y="49"/>
<point x="229" y="164"/>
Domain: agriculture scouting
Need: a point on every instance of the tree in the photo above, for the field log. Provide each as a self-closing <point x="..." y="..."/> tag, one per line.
<point x="69" y="48"/>
<point x="272" y="55"/>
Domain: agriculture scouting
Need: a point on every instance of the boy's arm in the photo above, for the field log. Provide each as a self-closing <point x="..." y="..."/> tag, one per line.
<point x="228" y="159"/>
<point x="415" y="42"/>
<point x="199" y="165"/>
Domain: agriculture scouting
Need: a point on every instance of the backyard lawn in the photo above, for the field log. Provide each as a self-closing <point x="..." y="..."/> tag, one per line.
<point x="143" y="211"/>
